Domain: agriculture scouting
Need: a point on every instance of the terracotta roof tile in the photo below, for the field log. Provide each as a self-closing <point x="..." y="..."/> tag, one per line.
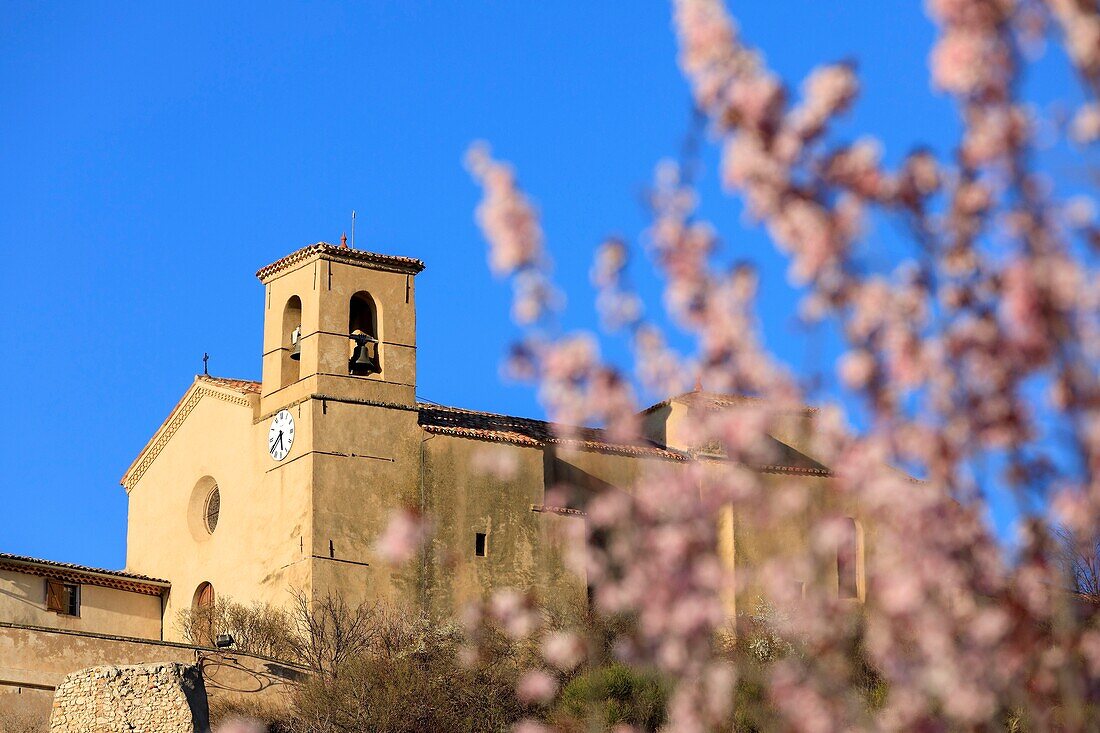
<point x="526" y="431"/>
<point x="118" y="579"/>
<point x="719" y="401"/>
<point x="341" y="254"/>
<point x="244" y="386"/>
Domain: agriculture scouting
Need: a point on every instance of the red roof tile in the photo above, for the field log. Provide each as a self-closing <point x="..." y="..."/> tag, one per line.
<point x="526" y="431"/>
<point x="118" y="579"/>
<point x="719" y="401"/>
<point x="328" y="251"/>
<point x="244" y="386"/>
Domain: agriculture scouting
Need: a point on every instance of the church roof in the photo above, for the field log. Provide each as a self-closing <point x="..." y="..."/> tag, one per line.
<point x="236" y="391"/>
<point x="718" y="401"/>
<point x="70" y="572"/>
<point x="244" y="386"/>
<point x="526" y="431"/>
<point x="327" y="251"/>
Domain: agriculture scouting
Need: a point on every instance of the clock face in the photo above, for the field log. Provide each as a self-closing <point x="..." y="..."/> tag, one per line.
<point x="281" y="435"/>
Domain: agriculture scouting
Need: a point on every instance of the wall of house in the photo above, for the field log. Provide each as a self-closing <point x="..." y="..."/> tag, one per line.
<point x="260" y="548"/>
<point x="102" y="610"/>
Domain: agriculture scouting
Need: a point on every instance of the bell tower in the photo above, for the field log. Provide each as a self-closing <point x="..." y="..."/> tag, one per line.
<point x="339" y="323"/>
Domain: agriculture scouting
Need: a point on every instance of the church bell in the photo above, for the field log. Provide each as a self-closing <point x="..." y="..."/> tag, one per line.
<point x="364" y="359"/>
<point x="296" y="344"/>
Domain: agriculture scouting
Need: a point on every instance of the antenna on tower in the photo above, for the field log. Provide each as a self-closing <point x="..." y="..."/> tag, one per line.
<point x="353" y="228"/>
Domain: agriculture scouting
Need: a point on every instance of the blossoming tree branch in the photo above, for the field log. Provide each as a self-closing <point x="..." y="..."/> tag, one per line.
<point x="972" y="360"/>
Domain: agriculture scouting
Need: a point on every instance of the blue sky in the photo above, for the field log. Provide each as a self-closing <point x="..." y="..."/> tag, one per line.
<point x="155" y="155"/>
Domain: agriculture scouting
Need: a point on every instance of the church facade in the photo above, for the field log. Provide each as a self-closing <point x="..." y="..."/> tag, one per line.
<point x="257" y="490"/>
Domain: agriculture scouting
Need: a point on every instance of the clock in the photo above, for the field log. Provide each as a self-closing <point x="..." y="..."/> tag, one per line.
<point x="281" y="435"/>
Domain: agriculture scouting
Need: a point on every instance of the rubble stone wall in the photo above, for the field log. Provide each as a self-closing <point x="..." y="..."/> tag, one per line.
<point x="152" y="698"/>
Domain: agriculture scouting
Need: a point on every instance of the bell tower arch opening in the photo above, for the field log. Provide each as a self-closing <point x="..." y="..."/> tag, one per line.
<point x="365" y="356"/>
<point x="290" y="362"/>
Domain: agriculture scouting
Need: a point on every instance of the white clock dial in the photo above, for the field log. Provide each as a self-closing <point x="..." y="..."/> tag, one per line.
<point x="281" y="435"/>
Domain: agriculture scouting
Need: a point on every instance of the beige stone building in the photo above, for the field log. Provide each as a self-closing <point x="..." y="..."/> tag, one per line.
<point x="253" y="490"/>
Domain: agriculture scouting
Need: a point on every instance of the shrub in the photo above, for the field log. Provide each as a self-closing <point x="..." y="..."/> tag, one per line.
<point x="256" y="629"/>
<point x="387" y="670"/>
<point x="265" y="714"/>
<point x="612" y="695"/>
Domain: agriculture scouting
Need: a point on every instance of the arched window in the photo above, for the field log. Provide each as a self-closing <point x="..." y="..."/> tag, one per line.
<point x="365" y="357"/>
<point x="204" y="596"/>
<point x="203" y="615"/>
<point x="847" y="559"/>
<point x="289" y="369"/>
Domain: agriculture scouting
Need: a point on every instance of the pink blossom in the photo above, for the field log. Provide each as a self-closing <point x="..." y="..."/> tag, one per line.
<point x="536" y="686"/>
<point x="405" y="533"/>
<point x="1086" y="123"/>
<point x="968" y="62"/>
<point x="828" y="91"/>
<point x="856" y="368"/>
<point x="241" y="725"/>
<point x="562" y="649"/>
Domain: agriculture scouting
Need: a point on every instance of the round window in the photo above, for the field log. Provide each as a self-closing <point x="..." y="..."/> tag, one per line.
<point x="213" y="509"/>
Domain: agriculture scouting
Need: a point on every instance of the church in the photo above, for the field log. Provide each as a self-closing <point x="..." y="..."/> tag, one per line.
<point x="256" y="490"/>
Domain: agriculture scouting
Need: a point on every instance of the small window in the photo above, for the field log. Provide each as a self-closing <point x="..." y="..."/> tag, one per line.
<point x="63" y="598"/>
<point x="847" y="560"/>
<point x="479" y="544"/>
<point x="213" y="509"/>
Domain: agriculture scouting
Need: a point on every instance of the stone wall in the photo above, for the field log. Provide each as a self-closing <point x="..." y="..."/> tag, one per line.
<point x="152" y="698"/>
<point x="37" y="660"/>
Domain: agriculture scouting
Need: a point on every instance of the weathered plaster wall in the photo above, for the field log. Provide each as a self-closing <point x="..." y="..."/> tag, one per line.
<point x="151" y="698"/>
<point x="102" y="610"/>
<point x="367" y="467"/>
<point x="524" y="548"/>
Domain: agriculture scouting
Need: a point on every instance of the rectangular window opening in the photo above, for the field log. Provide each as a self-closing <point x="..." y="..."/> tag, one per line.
<point x="63" y="598"/>
<point x="479" y="544"/>
<point x="847" y="560"/>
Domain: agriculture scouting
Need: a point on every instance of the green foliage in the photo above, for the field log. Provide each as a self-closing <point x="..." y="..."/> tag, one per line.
<point x="611" y="695"/>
